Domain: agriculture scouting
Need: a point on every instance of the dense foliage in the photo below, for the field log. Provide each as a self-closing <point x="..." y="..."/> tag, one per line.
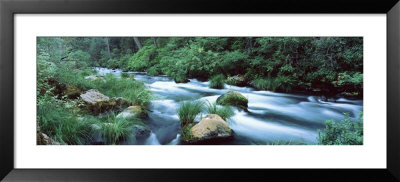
<point x="62" y="65"/>
<point x="329" y="64"/>
<point x="345" y="132"/>
<point x="322" y="65"/>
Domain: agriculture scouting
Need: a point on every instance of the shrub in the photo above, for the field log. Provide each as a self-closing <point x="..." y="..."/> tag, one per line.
<point x="79" y="59"/>
<point x="225" y="112"/>
<point x="189" y="110"/>
<point x="113" y="63"/>
<point x="217" y="81"/>
<point x="154" y="71"/>
<point x="141" y="60"/>
<point x="180" y="79"/>
<point x="345" y="132"/>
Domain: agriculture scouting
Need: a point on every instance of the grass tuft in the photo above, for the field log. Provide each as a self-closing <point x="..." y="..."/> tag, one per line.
<point x="189" y="110"/>
<point x="225" y="112"/>
<point x="217" y="81"/>
<point x="116" y="129"/>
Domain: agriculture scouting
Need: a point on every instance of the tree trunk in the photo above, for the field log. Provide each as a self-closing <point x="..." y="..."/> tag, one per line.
<point x="137" y="42"/>
<point x="249" y="44"/>
<point x="108" y="48"/>
<point x="155" y="42"/>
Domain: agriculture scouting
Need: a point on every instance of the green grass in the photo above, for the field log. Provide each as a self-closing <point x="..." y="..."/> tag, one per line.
<point x="62" y="126"/>
<point x="133" y="91"/>
<point x="189" y="110"/>
<point x="186" y="134"/>
<point x="265" y="84"/>
<point x="225" y="112"/>
<point x="124" y="75"/>
<point x="115" y="129"/>
<point x="217" y="81"/>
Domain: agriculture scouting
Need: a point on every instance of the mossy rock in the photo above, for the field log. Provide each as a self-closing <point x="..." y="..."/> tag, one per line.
<point x="97" y="102"/>
<point x="211" y="129"/>
<point x="132" y="113"/>
<point x="233" y="98"/>
<point x="238" y="80"/>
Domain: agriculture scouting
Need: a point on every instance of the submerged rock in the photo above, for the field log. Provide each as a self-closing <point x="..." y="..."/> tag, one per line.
<point x="141" y="131"/>
<point x="233" y="98"/>
<point x="211" y="128"/>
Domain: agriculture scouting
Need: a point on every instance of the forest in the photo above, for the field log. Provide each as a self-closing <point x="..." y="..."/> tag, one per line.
<point x="200" y="90"/>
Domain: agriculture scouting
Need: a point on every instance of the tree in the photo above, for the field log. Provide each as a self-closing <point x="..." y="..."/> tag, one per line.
<point x="108" y="48"/>
<point x="155" y="42"/>
<point x="137" y="42"/>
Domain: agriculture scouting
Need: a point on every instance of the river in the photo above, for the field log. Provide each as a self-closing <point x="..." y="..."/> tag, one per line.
<point x="273" y="118"/>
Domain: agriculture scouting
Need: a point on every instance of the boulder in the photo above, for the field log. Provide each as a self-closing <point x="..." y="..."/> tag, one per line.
<point x="132" y="112"/>
<point x="97" y="102"/>
<point x="211" y="127"/>
<point x="233" y="98"/>
<point x="93" y="96"/>
<point x="71" y="92"/>
<point x="237" y="80"/>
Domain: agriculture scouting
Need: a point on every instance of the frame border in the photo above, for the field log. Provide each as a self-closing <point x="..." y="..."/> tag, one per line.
<point x="8" y="8"/>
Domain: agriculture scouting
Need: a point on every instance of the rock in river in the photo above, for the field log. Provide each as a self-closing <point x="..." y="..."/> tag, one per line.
<point x="237" y="80"/>
<point x="132" y="112"/>
<point x="233" y="98"/>
<point x="211" y="128"/>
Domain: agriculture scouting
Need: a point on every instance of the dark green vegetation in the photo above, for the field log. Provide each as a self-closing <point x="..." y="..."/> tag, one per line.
<point x="315" y="65"/>
<point x="62" y="65"/>
<point x="345" y="132"/>
<point x="233" y="98"/>
<point x="329" y="65"/>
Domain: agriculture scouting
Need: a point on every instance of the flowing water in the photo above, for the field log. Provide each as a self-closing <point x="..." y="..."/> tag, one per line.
<point x="273" y="118"/>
